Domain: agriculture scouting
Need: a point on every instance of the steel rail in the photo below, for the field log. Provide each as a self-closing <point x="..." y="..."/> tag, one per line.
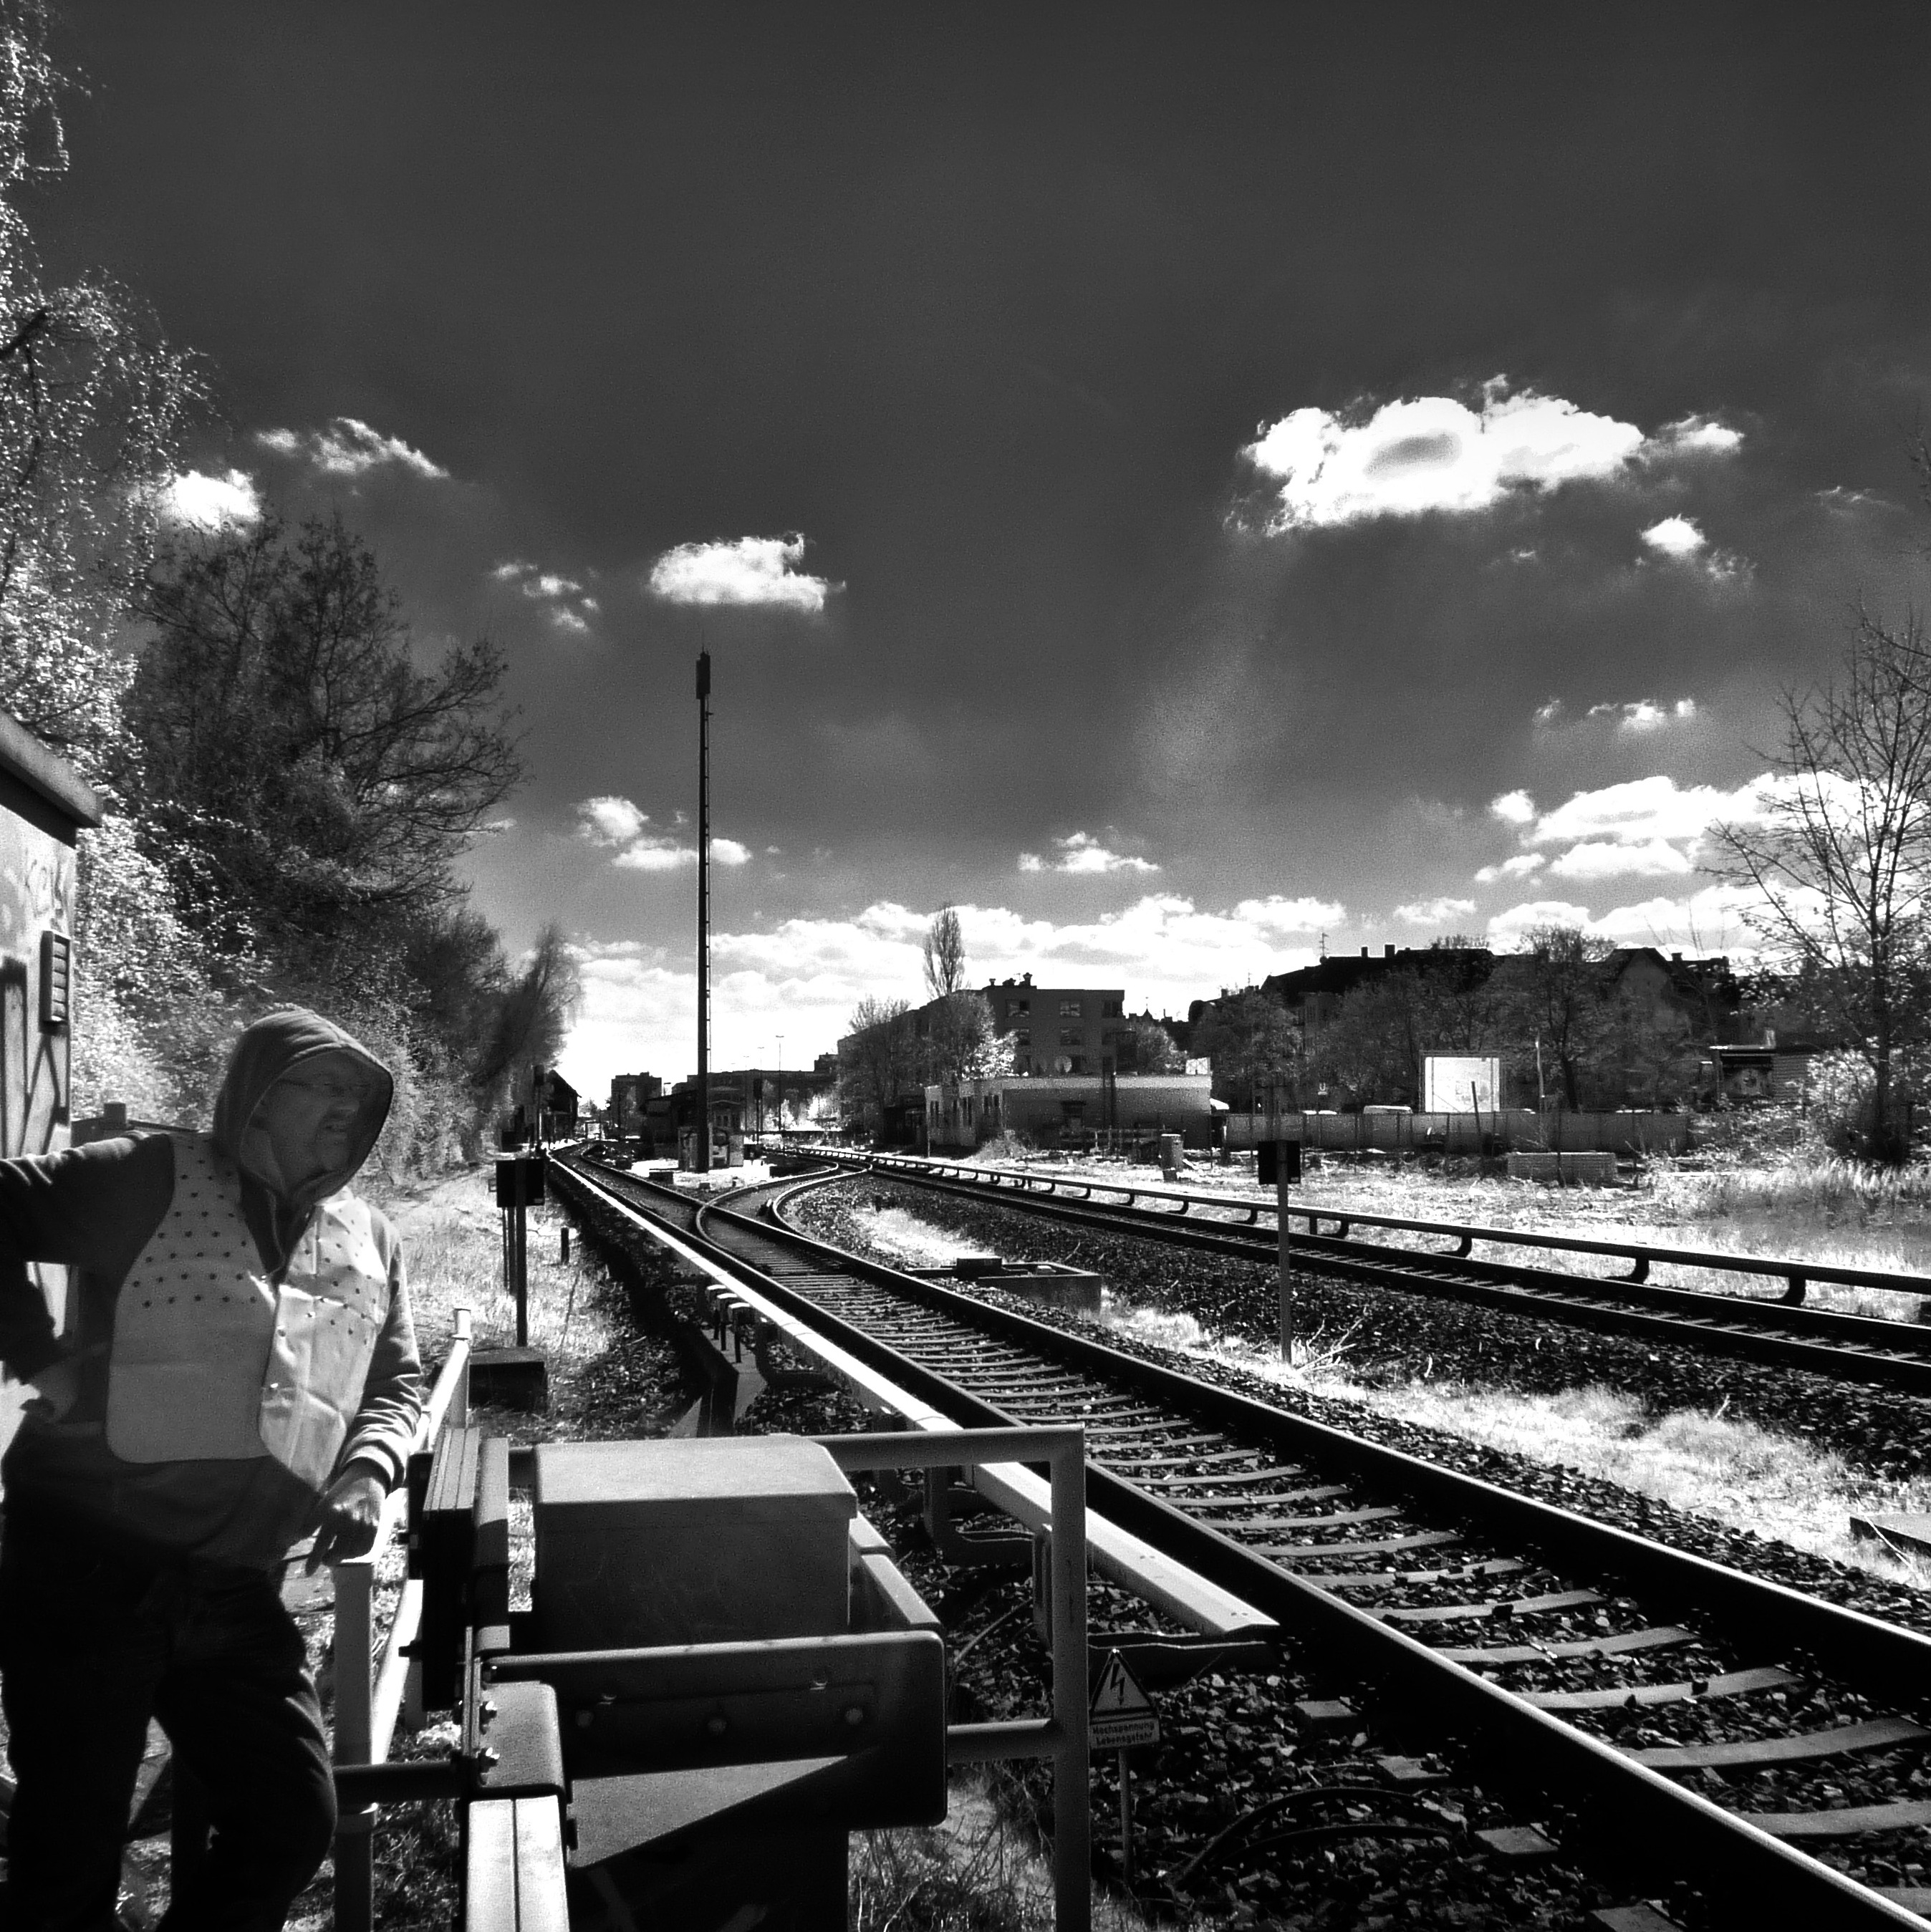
<point x="1642" y="1255"/>
<point x="1640" y="1817"/>
<point x="1865" y="1348"/>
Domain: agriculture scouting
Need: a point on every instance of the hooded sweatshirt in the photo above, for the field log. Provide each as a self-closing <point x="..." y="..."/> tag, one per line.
<point x="102" y="1208"/>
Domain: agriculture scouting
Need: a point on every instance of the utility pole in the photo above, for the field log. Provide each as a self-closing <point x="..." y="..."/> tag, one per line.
<point x="704" y="913"/>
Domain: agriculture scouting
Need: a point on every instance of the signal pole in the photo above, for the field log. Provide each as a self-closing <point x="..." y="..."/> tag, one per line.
<point x="704" y="913"/>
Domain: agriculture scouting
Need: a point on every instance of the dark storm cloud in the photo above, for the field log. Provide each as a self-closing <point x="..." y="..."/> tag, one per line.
<point x="981" y="309"/>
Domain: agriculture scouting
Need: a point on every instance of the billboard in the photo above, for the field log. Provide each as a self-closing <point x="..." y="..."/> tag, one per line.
<point x="1461" y="1083"/>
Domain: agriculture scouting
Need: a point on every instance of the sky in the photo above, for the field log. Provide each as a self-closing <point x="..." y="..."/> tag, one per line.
<point x="1188" y="485"/>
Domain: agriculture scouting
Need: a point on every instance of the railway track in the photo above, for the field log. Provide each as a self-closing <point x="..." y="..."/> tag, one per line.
<point x="1781" y="1332"/>
<point x="1702" y="1725"/>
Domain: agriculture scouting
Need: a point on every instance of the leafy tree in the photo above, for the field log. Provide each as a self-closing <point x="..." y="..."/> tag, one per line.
<point x="94" y="403"/>
<point x="965" y="1041"/>
<point x="1557" y="999"/>
<point x="877" y="1058"/>
<point x="1251" y="1043"/>
<point x="1838" y="859"/>
<point x="532" y="1019"/>
<point x="1150" y="1049"/>
<point x="283" y="741"/>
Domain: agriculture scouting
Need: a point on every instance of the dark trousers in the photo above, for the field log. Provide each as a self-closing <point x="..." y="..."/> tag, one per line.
<point x="91" y="1647"/>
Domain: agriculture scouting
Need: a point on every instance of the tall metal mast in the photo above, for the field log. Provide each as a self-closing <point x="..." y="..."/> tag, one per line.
<point x="704" y="913"/>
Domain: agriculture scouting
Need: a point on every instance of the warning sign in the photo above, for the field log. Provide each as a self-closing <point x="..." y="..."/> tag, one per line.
<point x="1122" y="1713"/>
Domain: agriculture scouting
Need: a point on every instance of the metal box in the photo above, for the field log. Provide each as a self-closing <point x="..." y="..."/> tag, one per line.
<point x="697" y="1540"/>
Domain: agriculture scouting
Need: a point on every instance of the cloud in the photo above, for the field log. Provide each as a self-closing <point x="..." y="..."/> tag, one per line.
<point x="568" y="605"/>
<point x="1434" y="912"/>
<point x="348" y="447"/>
<point x="194" y="499"/>
<point x="1648" y="827"/>
<point x="1715" y="918"/>
<point x="1081" y="852"/>
<point x="1639" y="811"/>
<point x="609" y="820"/>
<point x="1599" y="859"/>
<point x="1643" y="714"/>
<point x="618" y="824"/>
<point x="1679" y="539"/>
<point x="1519" y="867"/>
<point x="751" y="570"/>
<point x="1693" y="436"/>
<point x="1675" y="536"/>
<point x="1433" y="455"/>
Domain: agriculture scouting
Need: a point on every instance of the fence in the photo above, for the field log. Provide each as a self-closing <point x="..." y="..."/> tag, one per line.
<point x="369" y="1698"/>
<point x="1519" y="1128"/>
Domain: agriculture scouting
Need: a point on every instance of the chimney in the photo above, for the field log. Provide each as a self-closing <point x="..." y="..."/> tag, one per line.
<point x="1677" y="957"/>
<point x="1388" y="952"/>
<point x="1364" y="953"/>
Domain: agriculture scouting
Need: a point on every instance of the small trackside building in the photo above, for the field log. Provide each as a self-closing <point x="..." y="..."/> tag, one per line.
<point x="1068" y="1109"/>
<point x="43" y="809"/>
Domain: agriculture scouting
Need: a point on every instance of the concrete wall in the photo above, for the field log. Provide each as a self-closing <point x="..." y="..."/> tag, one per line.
<point x="1515" y="1127"/>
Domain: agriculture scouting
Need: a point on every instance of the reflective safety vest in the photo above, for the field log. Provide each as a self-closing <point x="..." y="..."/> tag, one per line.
<point x="211" y="1359"/>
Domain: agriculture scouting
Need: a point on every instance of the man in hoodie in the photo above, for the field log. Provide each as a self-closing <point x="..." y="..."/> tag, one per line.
<point x="238" y="1368"/>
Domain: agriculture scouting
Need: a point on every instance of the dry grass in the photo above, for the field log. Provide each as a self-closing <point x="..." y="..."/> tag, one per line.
<point x="973" y="1873"/>
<point x="1709" y="1463"/>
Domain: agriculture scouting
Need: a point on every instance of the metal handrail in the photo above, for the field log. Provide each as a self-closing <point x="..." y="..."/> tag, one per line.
<point x="368" y="1701"/>
<point x="1795" y="1272"/>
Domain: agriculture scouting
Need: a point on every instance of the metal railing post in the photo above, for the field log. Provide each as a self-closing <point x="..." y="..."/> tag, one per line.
<point x="1072" y="1797"/>
<point x="367" y="1703"/>
<point x="354" y="1844"/>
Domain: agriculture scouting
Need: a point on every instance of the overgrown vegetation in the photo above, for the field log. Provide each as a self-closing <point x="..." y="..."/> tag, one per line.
<point x="288" y="791"/>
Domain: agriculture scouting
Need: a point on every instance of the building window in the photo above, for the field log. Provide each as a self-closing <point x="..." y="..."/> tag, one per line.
<point x="1016" y="1007"/>
<point x="1114" y="1009"/>
<point x="1072" y="1010"/>
<point x="56" y="979"/>
<point x="1023" y="1037"/>
<point x="1079" y="1065"/>
<point x="1071" y="1036"/>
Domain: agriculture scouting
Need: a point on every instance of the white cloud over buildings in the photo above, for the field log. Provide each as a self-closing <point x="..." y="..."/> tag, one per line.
<point x="348" y="447"/>
<point x="750" y="571"/>
<point x="1443" y="911"/>
<point x="1642" y="828"/>
<point x="803" y="977"/>
<point x="1429" y="455"/>
<point x="1081" y="852"/>
<point x="196" y="499"/>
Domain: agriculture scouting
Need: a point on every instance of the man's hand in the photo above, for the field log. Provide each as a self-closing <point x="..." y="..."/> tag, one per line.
<point x="56" y="1389"/>
<point x="351" y="1513"/>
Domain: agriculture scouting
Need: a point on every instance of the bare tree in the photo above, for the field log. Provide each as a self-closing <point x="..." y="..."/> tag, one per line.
<point x="1838" y="857"/>
<point x="944" y="955"/>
